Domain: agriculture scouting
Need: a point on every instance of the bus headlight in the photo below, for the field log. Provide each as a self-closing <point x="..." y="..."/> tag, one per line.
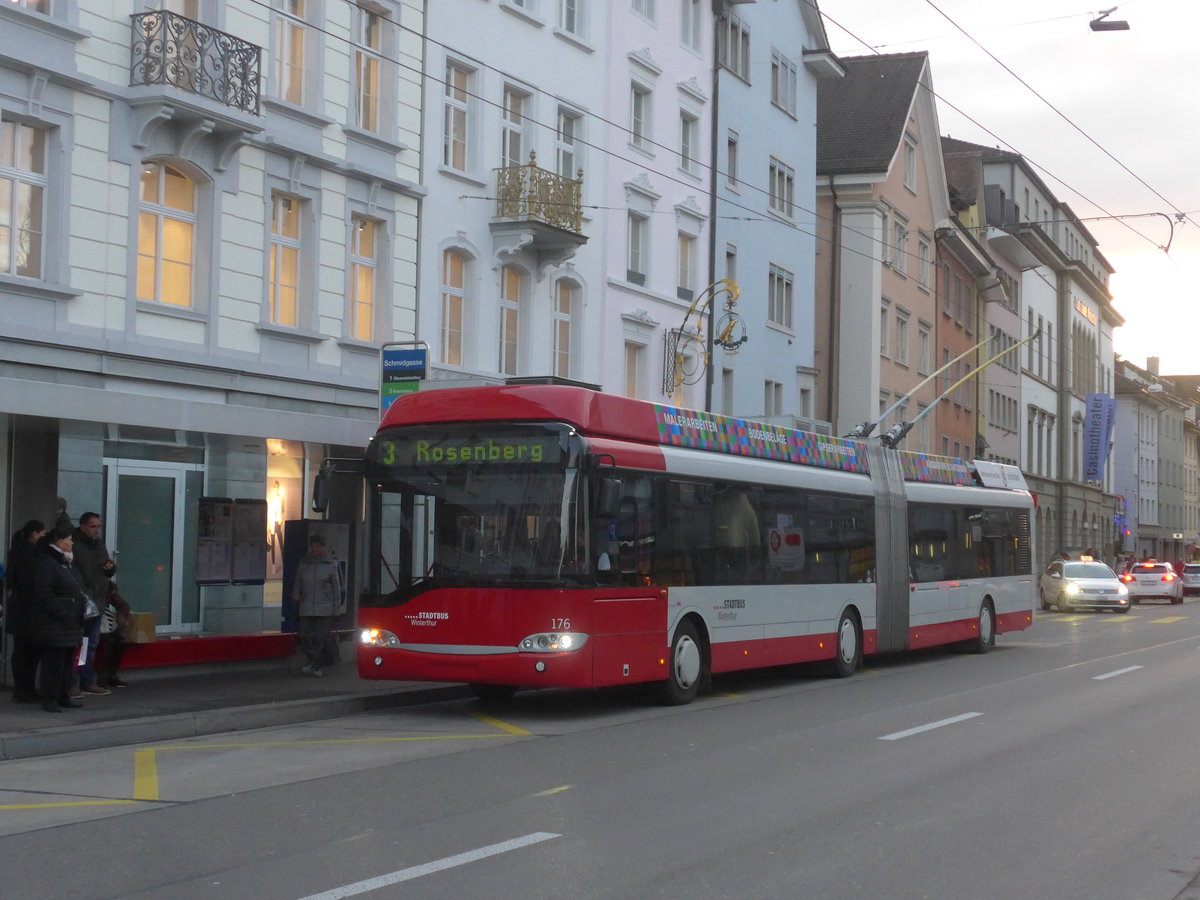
<point x="378" y="637"/>
<point x="552" y="642"/>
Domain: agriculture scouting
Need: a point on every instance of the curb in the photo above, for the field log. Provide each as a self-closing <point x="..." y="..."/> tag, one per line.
<point x="72" y="738"/>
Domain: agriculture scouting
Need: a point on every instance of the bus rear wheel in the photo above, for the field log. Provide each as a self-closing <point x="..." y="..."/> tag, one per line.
<point x="686" y="669"/>
<point x="985" y="637"/>
<point x="848" y="652"/>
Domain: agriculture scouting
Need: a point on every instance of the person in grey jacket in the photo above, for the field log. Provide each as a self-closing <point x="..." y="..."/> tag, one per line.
<point x="317" y="592"/>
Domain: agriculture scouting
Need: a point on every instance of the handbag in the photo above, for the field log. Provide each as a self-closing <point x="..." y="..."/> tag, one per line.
<point x="108" y="620"/>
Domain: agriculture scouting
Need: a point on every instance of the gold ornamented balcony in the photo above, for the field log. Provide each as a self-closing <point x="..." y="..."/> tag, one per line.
<point x="538" y="211"/>
<point x="170" y="49"/>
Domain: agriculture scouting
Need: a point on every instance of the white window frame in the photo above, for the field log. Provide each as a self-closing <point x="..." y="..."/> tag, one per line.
<point x="564" y="326"/>
<point x="285" y="246"/>
<point x="453" y="342"/>
<point x="691" y="19"/>
<point x="780" y="296"/>
<point x="900" y="244"/>
<point x="910" y="163"/>
<point x="689" y="142"/>
<point x="370" y="59"/>
<point x="924" y="348"/>
<point x="24" y="181"/>
<point x="924" y="261"/>
<point x="685" y="289"/>
<point x="457" y="115"/>
<point x="784" y="80"/>
<point x="781" y="180"/>
<point x="637" y="248"/>
<point x="733" y="51"/>
<point x="572" y="17"/>
<point x="900" y="335"/>
<point x="513" y="114"/>
<point x="646" y="9"/>
<point x="364" y="256"/>
<point x="635" y="368"/>
<point x="732" y="146"/>
<point x="641" y="113"/>
<point x="162" y="215"/>
<point x="293" y="35"/>
<point x="509" y="360"/>
<point x="568" y="143"/>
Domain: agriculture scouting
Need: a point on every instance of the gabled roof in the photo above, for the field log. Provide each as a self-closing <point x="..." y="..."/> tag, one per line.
<point x="861" y="118"/>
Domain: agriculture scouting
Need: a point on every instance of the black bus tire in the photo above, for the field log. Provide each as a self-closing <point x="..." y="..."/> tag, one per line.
<point x="847" y="648"/>
<point x="687" y="666"/>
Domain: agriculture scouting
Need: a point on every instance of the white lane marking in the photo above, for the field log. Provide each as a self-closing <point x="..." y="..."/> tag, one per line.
<point x="1116" y="673"/>
<point x="438" y="865"/>
<point x="895" y="736"/>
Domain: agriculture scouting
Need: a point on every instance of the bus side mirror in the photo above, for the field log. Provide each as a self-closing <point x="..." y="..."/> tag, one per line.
<point x="608" y="503"/>
<point x="322" y="486"/>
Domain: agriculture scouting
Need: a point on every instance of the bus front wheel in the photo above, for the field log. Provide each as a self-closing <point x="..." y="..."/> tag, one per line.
<point x="848" y="652"/>
<point x="686" y="671"/>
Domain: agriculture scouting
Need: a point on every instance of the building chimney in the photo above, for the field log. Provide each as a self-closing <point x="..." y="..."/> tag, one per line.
<point x="1152" y="365"/>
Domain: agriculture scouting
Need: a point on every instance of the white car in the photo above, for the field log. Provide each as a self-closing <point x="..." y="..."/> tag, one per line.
<point x="1071" y="584"/>
<point x="1190" y="576"/>
<point x="1153" y="581"/>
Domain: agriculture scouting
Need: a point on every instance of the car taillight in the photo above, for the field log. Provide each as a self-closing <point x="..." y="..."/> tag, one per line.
<point x="1127" y="577"/>
<point x="1170" y="576"/>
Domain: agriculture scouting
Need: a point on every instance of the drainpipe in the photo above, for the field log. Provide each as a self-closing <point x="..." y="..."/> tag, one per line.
<point x="835" y="305"/>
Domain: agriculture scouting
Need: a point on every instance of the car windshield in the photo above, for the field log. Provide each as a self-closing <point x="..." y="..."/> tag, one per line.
<point x="1087" y="570"/>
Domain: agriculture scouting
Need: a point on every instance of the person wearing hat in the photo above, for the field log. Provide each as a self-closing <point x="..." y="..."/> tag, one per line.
<point x="317" y="593"/>
<point x="56" y="618"/>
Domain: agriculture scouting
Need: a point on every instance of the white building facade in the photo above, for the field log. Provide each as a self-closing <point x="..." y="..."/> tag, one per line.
<point x="211" y="229"/>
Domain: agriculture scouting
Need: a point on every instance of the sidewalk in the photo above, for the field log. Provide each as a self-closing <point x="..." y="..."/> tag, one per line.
<point x="162" y="704"/>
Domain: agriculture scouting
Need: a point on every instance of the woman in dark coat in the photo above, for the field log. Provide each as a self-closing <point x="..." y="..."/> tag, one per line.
<point x="22" y="560"/>
<point x="56" y="618"/>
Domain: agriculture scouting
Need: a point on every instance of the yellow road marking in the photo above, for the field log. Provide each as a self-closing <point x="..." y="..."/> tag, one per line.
<point x="503" y="726"/>
<point x="145" y="775"/>
<point x="66" y="804"/>
<point x="1167" y="620"/>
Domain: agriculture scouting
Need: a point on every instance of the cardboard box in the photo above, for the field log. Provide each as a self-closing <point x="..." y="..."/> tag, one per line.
<point x="139" y="629"/>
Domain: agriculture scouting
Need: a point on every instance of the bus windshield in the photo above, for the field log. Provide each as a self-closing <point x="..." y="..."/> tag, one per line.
<point x="463" y="509"/>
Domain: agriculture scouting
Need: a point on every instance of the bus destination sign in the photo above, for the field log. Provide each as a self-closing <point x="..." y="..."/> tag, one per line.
<point x="541" y="449"/>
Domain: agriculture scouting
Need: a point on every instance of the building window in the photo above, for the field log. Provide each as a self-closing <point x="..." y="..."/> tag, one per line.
<point x="731" y="262"/>
<point x="783" y="83"/>
<point x="731" y="161"/>
<point x="686" y="287"/>
<point x="572" y="16"/>
<point x="41" y="6"/>
<point x="564" y="315"/>
<point x="910" y="163"/>
<point x="284" y="276"/>
<point x="781" y="182"/>
<point x="568" y="158"/>
<point x="690" y="24"/>
<point x="901" y="346"/>
<point x="512" y="128"/>
<point x="638" y="255"/>
<point x="166" y="235"/>
<point x="924" y="263"/>
<point x="733" y="49"/>
<point x="900" y="245"/>
<point x="364" y="255"/>
<point x="779" y="296"/>
<point x="645" y="8"/>
<point x="368" y="64"/>
<point x="689" y="142"/>
<point x="22" y="198"/>
<point x="456" y="128"/>
<point x="639" y="115"/>
<point x="884" y="312"/>
<point x="634" y="368"/>
<point x="291" y="39"/>
<point x="510" y="319"/>
<point x="924" y="349"/>
<point x="772" y="398"/>
<point x="454" y="300"/>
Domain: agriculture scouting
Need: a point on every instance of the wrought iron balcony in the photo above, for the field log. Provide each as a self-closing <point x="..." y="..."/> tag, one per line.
<point x="170" y="49"/>
<point x="531" y="194"/>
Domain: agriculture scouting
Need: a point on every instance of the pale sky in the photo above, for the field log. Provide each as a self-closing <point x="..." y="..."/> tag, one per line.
<point x="1135" y="93"/>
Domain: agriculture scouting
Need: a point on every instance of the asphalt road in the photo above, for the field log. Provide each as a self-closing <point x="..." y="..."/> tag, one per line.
<point x="1062" y="765"/>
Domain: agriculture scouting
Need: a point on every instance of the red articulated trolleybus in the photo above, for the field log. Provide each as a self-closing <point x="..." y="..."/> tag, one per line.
<point x="556" y="536"/>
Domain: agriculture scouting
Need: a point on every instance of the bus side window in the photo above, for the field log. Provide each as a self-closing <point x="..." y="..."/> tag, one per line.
<point x="739" y="542"/>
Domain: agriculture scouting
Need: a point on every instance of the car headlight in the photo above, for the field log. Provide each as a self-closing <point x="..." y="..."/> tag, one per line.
<point x="1122" y="590"/>
<point x="552" y="642"/>
<point x="1071" y="589"/>
<point x="378" y="637"/>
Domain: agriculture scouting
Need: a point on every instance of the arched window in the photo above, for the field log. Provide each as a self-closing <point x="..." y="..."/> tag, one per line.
<point x="166" y="235"/>
<point x="565" y="293"/>
<point x="510" y="319"/>
<point x="454" y="298"/>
